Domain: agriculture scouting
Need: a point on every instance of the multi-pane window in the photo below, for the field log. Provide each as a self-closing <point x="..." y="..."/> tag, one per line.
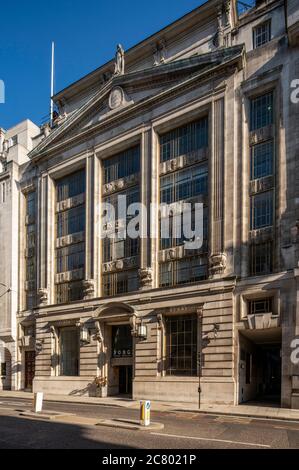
<point x="182" y="345"/>
<point x="120" y="282"/>
<point x="261" y="111"/>
<point x="183" y="271"/>
<point x="184" y="184"/>
<point x="261" y="258"/>
<point x="118" y="245"/>
<point x="70" y="220"/>
<point x="262" y="160"/>
<point x="261" y="34"/>
<point x="262" y="165"/>
<point x="260" y="306"/>
<point x="70" y="258"/>
<point x="30" y="261"/>
<point x="262" y="210"/>
<point x="69" y="342"/>
<point x="188" y="185"/>
<point x="122" y="166"/>
<point x="184" y="140"/>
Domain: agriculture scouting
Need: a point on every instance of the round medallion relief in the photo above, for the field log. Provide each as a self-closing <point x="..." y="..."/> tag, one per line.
<point x="116" y="98"/>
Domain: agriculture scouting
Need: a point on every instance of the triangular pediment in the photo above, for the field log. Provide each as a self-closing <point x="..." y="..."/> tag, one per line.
<point x="124" y="92"/>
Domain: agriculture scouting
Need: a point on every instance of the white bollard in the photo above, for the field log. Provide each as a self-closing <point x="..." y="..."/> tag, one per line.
<point x="38" y="402"/>
<point x="145" y="413"/>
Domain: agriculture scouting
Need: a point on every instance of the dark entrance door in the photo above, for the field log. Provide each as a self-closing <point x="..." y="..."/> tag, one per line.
<point x="125" y="380"/>
<point x="29" y="368"/>
<point x="271" y="360"/>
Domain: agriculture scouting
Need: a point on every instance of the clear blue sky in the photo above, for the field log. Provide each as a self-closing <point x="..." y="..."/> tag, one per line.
<point x="85" y="33"/>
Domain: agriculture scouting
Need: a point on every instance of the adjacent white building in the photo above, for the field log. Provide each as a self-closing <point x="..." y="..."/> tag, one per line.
<point x="15" y="144"/>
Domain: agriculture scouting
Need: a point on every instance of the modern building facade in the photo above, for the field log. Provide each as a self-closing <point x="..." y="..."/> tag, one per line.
<point x="15" y="144"/>
<point x="201" y="112"/>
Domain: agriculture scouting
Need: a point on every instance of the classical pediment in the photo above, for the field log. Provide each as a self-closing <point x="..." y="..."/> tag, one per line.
<point x="124" y="92"/>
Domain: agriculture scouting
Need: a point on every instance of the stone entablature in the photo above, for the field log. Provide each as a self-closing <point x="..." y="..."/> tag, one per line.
<point x="184" y="160"/>
<point x="121" y="184"/>
<point x="121" y="264"/>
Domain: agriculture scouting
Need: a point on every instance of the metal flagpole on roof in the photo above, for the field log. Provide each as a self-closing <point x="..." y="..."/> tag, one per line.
<point x="52" y="83"/>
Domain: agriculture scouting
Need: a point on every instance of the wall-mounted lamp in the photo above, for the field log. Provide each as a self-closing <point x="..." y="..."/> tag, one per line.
<point x="142" y="332"/>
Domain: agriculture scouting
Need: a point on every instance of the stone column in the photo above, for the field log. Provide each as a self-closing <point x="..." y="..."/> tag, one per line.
<point x="217" y="259"/>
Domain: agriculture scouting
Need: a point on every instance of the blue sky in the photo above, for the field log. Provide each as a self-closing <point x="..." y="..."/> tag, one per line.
<point x="85" y="34"/>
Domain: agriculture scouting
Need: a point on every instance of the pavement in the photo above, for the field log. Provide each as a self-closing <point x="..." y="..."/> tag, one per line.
<point x="76" y="426"/>
<point x="253" y="410"/>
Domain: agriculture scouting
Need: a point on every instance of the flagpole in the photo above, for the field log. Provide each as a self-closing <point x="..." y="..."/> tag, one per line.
<point x="52" y="84"/>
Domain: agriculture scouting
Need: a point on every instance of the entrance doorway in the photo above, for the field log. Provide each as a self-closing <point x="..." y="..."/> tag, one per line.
<point x="29" y="369"/>
<point x="125" y="380"/>
<point x="260" y="367"/>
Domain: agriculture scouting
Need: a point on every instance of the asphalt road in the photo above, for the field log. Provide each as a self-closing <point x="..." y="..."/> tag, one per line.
<point x="182" y="430"/>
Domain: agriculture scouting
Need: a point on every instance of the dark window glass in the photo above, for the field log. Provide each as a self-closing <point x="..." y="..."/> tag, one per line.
<point x="30" y="262"/>
<point x="181" y="345"/>
<point x="69" y="292"/>
<point x="260" y="306"/>
<point x="261" y="259"/>
<point x="183" y="140"/>
<point x="262" y="160"/>
<point x="70" y="258"/>
<point x="3" y="369"/>
<point x="71" y="186"/>
<point x="122" y="165"/>
<point x="71" y="221"/>
<point x="69" y="352"/>
<point x="261" y="34"/>
<point x="262" y="210"/>
<point x="261" y="111"/>
<point x="185" y="271"/>
<point x="120" y="283"/>
<point x="122" y="344"/>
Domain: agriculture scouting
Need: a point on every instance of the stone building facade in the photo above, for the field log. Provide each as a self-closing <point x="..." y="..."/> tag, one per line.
<point x="199" y="112"/>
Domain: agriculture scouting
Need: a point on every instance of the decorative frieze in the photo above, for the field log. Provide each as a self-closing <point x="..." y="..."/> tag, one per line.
<point x="121" y="184"/>
<point x="260" y="185"/>
<point x="260" y="135"/>
<point x="120" y="265"/>
<point x="70" y="202"/>
<point x="68" y="276"/>
<point x="261" y="235"/>
<point x="70" y="239"/>
<point x="183" y="161"/>
<point x="262" y="321"/>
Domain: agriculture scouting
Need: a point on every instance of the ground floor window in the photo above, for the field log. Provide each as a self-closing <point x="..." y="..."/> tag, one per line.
<point x="69" y="352"/>
<point x="181" y="345"/>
